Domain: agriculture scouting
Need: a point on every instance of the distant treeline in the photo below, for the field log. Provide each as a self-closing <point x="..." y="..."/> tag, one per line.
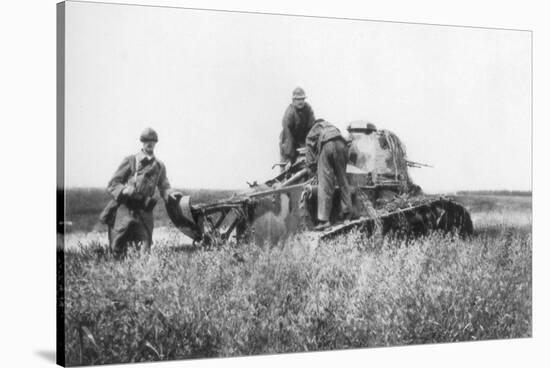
<point x="526" y="193"/>
<point x="83" y="205"/>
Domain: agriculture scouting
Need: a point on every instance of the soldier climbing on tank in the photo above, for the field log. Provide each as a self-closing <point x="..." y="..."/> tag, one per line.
<point x="297" y="121"/>
<point x="327" y="155"/>
<point x="129" y="215"/>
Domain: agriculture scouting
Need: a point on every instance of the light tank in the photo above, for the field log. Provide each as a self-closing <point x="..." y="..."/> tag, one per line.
<point x="385" y="200"/>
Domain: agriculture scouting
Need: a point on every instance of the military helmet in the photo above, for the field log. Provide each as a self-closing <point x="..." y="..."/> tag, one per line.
<point x="298" y="93"/>
<point x="371" y="126"/>
<point x="148" y="135"/>
<point x="361" y="126"/>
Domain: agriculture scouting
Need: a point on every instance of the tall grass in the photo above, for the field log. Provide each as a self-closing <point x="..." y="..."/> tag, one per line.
<point x="351" y="292"/>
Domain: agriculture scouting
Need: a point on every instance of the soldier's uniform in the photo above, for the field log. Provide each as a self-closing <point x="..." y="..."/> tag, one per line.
<point x="327" y="152"/>
<point x="130" y="218"/>
<point x="296" y="124"/>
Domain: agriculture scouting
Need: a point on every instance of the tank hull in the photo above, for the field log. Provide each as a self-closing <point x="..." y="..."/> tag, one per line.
<point x="384" y="201"/>
<point x="272" y="215"/>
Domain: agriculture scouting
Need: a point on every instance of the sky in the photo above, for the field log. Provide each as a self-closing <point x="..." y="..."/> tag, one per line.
<point x="215" y="85"/>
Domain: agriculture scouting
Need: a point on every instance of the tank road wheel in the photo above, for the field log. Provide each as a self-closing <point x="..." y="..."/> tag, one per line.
<point x="410" y="222"/>
<point x="420" y="221"/>
<point x="395" y="224"/>
<point x="220" y="224"/>
<point x="211" y="236"/>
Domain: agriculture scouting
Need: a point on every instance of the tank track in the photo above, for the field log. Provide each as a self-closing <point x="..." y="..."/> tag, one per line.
<point x="411" y="217"/>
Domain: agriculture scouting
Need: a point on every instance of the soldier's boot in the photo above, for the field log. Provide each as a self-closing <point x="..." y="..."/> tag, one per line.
<point x="145" y="247"/>
<point x="349" y="216"/>
<point x="143" y="237"/>
<point x="120" y="249"/>
<point x="118" y="244"/>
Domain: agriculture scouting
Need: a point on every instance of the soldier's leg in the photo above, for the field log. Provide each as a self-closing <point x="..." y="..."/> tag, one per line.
<point x="325" y="189"/>
<point x="121" y="232"/>
<point x="144" y="230"/>
<point x="340" y="164"/>
<point x="119" y="239"/>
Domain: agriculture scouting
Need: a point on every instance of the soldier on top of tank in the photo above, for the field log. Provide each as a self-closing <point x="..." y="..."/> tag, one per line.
<point x="327" y="155"/>
<point x="297" y="121"/>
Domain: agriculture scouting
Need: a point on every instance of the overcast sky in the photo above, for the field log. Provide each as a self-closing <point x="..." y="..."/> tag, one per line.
<point x="215" y="86"/>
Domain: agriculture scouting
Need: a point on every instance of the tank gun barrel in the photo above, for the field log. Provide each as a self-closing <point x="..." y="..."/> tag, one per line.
<point x="417" y="164"/>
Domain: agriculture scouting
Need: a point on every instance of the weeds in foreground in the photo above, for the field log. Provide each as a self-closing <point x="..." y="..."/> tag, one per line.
<point x="351" y="292"/>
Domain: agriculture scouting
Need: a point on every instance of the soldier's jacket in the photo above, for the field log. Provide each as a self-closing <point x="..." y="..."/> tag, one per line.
<point x="149" y="174"/>
<point x="296" y="125"/>
<point x="321" y="133"/>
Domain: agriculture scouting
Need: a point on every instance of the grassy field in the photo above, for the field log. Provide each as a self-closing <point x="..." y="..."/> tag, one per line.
<point x="352" y="292"/>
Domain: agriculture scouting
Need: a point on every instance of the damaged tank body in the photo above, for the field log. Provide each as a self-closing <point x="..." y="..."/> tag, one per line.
<point x="265" y="213"/>
<point x="385" y="200"/>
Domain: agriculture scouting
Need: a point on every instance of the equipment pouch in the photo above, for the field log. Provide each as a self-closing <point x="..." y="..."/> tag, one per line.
<point x="108" y="215"/>
<point x="149" y="204"/>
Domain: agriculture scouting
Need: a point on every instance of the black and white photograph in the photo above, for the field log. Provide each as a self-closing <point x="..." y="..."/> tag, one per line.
<point x="234" y="183"/>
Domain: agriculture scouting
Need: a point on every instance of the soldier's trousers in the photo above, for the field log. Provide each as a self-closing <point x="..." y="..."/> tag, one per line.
<point x="331" y="171"/>
<point x="131" y="226"/>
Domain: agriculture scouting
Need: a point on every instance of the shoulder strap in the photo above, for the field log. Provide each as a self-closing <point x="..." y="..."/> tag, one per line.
<point x="160" y="172"/>
<point x="133" y="161"/>
<point x="135" y="168"/>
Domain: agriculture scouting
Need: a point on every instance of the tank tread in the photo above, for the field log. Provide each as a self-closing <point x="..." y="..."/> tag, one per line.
<point x="417" y="219"/>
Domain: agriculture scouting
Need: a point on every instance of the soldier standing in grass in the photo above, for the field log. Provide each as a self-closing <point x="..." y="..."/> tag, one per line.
<point x="297" y="121"/>
<point x="327" y="154"/>
<point x="129" y="215"/>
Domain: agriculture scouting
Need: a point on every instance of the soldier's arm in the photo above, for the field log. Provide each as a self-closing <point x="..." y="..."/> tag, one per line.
<point x="310" y="158"/>
<point x="287" y="144"/>
<point x="311" y="150"/>
<point x="120" y="178"/>
<point x="311" y="120"/>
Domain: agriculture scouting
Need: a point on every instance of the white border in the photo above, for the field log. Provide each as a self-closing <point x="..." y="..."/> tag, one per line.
<point x="27" y="90"/>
